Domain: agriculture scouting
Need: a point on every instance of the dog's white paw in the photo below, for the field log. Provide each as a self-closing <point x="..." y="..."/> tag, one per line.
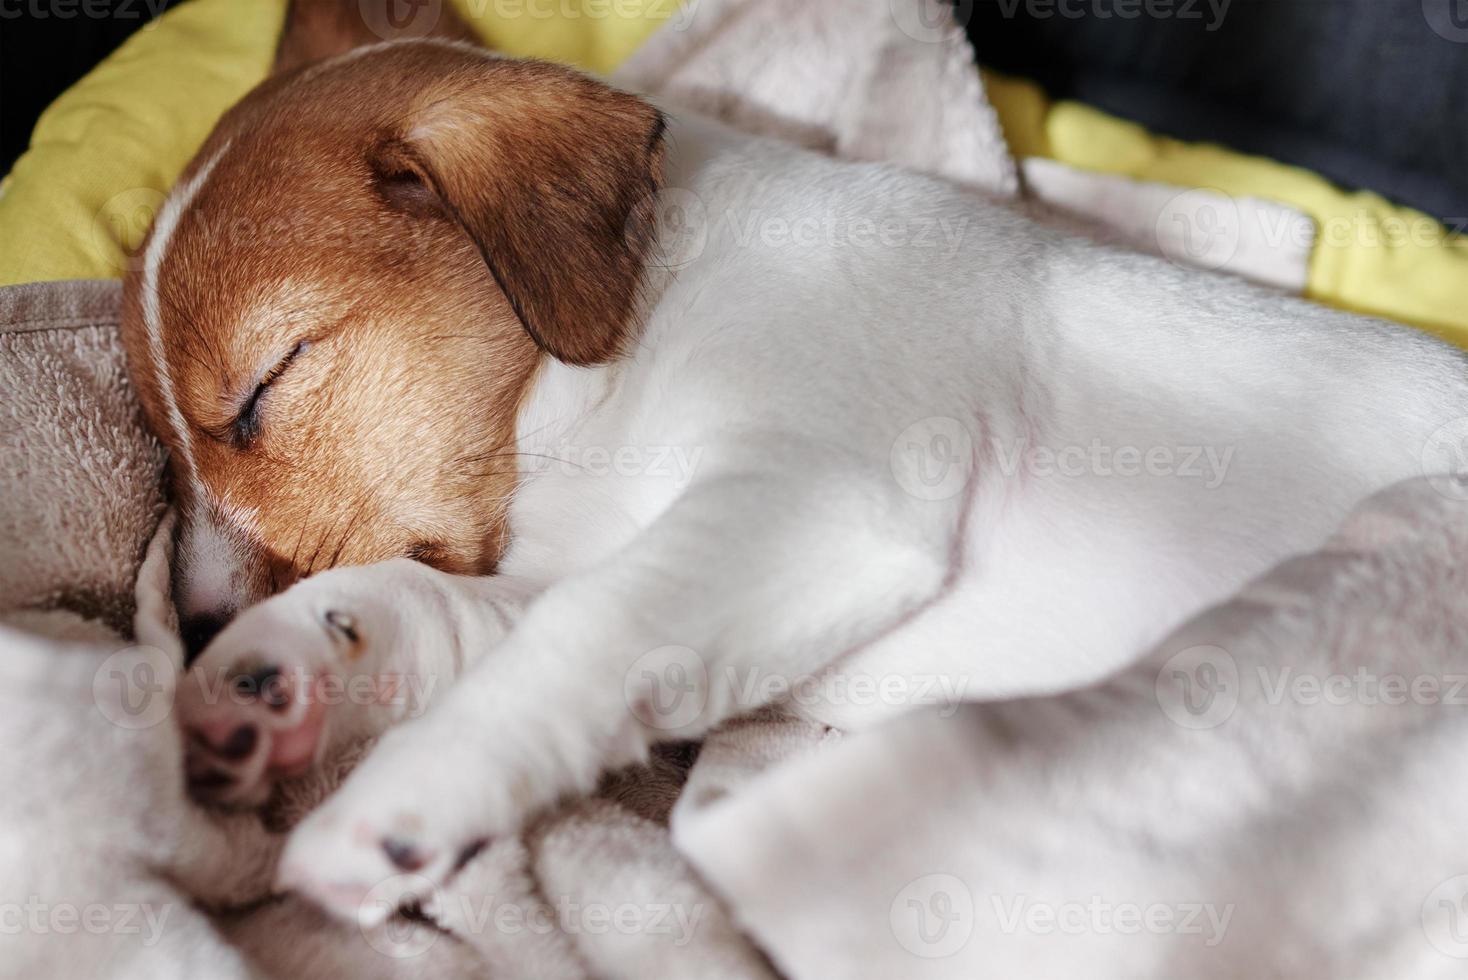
<point x="318" y="665"/>
<point x="413" y="813"/>
<point x="511" y="738"/>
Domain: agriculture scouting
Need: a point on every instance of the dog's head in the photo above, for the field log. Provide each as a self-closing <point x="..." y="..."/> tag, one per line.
<point x="339" y="309"/>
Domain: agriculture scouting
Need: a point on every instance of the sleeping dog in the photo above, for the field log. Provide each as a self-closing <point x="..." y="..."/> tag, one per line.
<point x="422" y="310"/>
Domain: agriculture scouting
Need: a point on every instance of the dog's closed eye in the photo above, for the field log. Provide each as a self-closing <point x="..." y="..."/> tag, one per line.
<point x="246" y="425"/>
<point x="428" y="553"/>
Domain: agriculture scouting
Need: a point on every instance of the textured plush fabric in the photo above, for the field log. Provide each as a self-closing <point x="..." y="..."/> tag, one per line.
<point x="79" y="492"/>
<point x="1256" y="787"/>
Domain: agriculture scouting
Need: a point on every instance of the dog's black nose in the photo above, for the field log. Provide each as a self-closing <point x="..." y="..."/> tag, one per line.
<point x="198" y="630"/>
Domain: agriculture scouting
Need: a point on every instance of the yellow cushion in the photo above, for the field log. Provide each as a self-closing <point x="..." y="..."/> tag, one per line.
<point x="1370" y="255"/>
<point x="105" y="151"/>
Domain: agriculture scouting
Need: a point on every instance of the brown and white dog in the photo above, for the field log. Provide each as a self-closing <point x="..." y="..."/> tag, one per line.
<point x="422" y="359"/>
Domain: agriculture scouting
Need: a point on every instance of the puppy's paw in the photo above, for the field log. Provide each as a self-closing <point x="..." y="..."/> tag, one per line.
<point x="432" y="792"/>
<point x="412" y="814"/>
<point x="315" y="666"/>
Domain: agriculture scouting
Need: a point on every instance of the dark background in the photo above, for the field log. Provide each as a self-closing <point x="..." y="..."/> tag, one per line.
<point x="1364" y="92"/>
<point x="40" y="56"/>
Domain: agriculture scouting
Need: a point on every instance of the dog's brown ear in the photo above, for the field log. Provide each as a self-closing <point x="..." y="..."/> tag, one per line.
<point x="317" y="29"/>
<point x="553" y="175"/>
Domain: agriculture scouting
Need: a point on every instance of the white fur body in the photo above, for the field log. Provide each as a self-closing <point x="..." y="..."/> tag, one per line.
<point x="792" y="540"/>
<point x="802" y="366"/>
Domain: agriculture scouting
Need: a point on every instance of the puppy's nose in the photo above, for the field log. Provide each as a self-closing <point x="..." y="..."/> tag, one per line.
<point x="197" y="630"/>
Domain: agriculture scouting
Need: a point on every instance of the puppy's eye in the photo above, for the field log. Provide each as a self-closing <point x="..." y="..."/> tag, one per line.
<point x="246" y="427"/>
<point x="428" y="553"/>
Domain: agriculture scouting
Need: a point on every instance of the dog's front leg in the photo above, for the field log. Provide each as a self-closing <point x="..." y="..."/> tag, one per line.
<point x="336" y="659"/>
<point x="745" y="579"/>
